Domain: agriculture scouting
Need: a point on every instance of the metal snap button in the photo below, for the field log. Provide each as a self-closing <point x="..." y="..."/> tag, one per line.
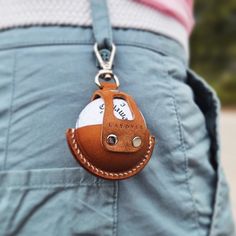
<point x="112" y="139"/>
<point x="137" y="141"/>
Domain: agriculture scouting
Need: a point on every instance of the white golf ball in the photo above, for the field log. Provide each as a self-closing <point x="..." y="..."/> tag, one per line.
<point x="93" y="113"/>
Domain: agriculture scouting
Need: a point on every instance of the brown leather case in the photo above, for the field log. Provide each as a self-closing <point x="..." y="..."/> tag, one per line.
<point x="122" y="160"/>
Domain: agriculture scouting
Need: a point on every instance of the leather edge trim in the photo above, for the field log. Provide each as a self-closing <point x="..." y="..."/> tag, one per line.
<point x="105" y="174"/>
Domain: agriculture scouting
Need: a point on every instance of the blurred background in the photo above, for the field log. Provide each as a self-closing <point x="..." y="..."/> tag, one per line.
<point x="213" y="55"/>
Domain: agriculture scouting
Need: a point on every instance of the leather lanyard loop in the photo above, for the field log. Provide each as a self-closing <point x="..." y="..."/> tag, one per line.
<point x="102" y="29"/>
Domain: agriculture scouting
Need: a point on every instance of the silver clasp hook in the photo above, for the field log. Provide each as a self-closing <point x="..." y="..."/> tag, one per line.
<point x="106" y="67"/>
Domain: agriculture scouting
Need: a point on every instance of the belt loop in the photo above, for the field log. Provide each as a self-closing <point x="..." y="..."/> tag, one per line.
<point x="101" y="24"/>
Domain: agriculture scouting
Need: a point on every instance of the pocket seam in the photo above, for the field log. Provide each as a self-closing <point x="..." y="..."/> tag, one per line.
<point x="48" y="178"/>
<point x="182" y="148"/>
<point x="12" y="98"/>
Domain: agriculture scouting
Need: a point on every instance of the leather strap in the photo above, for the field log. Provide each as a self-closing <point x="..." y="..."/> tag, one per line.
<point x="125" y="130"/>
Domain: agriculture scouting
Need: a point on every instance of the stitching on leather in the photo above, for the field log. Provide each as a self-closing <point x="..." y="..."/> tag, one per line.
<point x="105" y="173"/>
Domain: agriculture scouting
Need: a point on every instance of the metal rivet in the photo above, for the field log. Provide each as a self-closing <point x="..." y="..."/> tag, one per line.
<point x="137" y="141"/>
<point x="112" y="139"/>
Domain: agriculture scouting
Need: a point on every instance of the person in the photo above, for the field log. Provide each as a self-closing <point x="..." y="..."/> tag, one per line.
<point x="46" y="78"/>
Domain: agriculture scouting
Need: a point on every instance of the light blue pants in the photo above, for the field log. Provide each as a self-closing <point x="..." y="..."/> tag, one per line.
<point x="46" y="79"/>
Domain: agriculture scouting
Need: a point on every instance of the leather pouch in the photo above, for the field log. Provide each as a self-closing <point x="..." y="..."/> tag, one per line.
<point x="117" y="148"/>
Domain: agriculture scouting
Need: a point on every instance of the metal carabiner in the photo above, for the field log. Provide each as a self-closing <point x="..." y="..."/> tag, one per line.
<point x="106" y="67"/>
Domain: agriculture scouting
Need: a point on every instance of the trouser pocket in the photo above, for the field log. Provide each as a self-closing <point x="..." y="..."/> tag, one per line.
<point x="208" y="102"/>
<point x="62" y="201"/>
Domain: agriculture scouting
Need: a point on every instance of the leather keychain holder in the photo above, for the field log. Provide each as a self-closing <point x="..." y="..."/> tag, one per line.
<point x="117" y="148"/>
<point x="120" y="159"/>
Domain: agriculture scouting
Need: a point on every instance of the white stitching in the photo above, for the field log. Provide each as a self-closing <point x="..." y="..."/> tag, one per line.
<point x="85" y="161"/>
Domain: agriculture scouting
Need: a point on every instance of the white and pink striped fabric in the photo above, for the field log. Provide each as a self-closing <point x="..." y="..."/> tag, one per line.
<point x="172" y="18"/>
<point x="181" y="10"/>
